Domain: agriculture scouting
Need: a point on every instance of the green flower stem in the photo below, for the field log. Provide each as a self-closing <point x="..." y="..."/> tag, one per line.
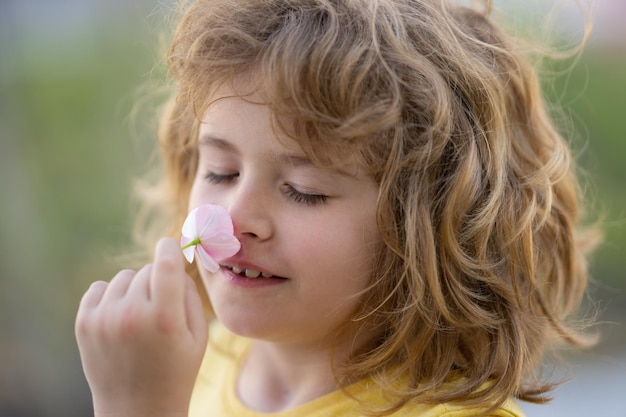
<point x="194" y="242"/>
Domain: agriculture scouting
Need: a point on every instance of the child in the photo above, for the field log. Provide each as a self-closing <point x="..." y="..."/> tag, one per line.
<point x="406" y="212"/>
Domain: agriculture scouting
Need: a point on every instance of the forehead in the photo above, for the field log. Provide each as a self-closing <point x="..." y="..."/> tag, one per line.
<point x="243" y="111"/>
<point x="229" y="113"/>
<point x="232" y="120"/>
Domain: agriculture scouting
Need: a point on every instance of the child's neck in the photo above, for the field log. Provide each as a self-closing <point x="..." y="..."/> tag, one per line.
<point x="277" y="378"/>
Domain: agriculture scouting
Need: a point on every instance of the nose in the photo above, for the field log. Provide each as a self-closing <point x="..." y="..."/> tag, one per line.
<point x="250" y="209"/>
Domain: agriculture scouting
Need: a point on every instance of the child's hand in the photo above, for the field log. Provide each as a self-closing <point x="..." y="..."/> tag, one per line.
<point x="142" y="337"/>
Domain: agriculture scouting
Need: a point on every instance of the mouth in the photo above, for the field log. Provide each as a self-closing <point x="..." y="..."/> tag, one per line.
<point x="250" y="273"/>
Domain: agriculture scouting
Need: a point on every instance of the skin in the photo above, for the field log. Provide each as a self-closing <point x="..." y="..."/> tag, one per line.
<point x="315" y="227"/>
<point x="142" y="336"/>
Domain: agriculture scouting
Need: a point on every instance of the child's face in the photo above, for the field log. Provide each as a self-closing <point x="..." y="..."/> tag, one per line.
<point x="312" y="229"/>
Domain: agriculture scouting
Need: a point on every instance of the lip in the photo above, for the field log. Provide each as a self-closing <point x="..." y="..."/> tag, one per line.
<point x="240" y="263"/>
<point x="245" y="282"/>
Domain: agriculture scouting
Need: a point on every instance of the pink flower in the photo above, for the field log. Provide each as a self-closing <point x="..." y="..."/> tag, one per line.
<point x="208" y="231"/>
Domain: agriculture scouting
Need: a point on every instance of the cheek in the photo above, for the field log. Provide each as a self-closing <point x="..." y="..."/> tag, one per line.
<point x="198" y="195"/>
<point x="344" y="256"/>
<point x="204" y="275"/>
<point x="208" y="279"/>
<point x="194" y="197"/>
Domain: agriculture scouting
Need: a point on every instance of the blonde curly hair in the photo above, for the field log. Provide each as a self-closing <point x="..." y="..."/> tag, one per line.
<point x="478" y="206"/>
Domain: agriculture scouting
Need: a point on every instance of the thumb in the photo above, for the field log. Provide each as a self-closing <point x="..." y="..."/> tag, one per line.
<point x="194" y="312"/>
<point x="168" y="275"/>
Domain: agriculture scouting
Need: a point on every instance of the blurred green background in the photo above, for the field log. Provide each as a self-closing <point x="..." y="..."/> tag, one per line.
<point x="71" y="73"/>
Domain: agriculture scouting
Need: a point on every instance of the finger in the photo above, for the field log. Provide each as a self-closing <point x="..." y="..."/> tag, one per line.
<point x="140" y="287"/>
<point x="93" y="295"/>
<point x="168" y="284"/>
<point x="118" y="285"/>
<point x="194" y="312"/>
<point x="88" y="303"/>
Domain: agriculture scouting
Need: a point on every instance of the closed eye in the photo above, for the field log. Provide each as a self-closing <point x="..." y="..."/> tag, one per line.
<point x="308" y="199"/>
<point x="215" y="178"/>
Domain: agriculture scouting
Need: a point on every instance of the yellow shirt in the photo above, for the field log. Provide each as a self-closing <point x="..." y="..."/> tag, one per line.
<point x="215" y="395"/>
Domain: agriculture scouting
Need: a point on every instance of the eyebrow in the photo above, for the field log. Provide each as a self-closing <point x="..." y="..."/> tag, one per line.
<point x="208" y="140"/>
<point x="222" y="144"/>
<point x="304" y="161"/>
<point x="294" y="160"/>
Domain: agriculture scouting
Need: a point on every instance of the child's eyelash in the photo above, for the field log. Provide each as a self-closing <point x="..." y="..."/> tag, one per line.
<point x="304" y="198"/>
<point x="215" y="178"/>
<point x="292" y="193"/>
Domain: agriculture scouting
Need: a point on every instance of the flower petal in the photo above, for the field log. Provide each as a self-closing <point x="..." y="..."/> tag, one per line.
<point x="190" y="227"/>
<point x="221" y="245"/>
<point x="212" y="220"/>
<point x="213" y="227"/>
<point x="207" y="261"/>
<point x="188" y="252"/>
